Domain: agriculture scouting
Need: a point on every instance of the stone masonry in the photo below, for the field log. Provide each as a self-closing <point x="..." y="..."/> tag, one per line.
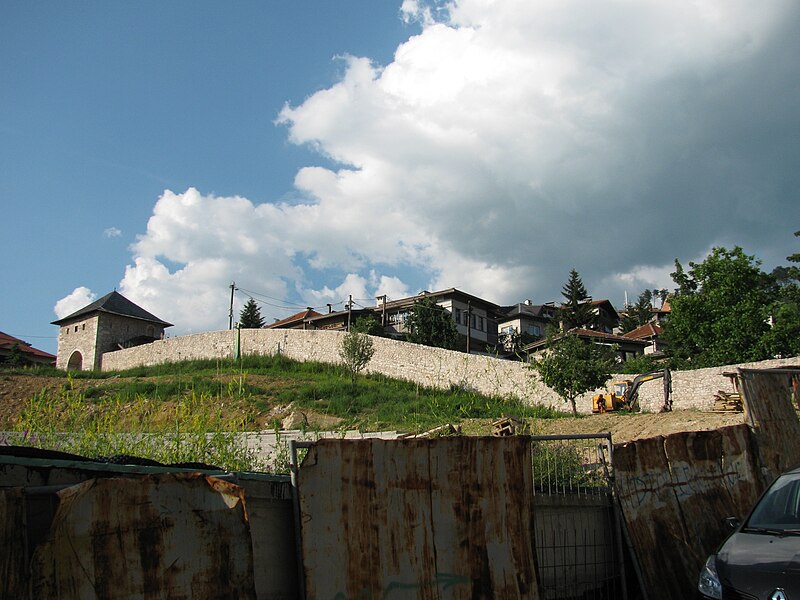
<point x="426" y="366"/>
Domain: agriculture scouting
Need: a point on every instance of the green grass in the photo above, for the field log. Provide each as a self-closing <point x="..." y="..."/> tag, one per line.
<point x="191" y="411"/>
<point x="375" y="402"/>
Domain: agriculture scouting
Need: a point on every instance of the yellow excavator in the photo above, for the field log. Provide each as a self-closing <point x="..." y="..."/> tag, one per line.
<point x="625" y="394"/>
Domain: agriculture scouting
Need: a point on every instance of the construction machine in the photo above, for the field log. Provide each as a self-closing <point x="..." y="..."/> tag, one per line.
<point x="625" y="394"/>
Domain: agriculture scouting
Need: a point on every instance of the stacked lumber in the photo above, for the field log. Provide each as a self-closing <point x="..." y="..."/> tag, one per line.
<point x="727" y="402"/>
<point x="508" y="426"/>
<point x="440" y="431"/>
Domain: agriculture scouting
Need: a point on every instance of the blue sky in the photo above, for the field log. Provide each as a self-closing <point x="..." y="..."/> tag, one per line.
<point x="312" y="150"/>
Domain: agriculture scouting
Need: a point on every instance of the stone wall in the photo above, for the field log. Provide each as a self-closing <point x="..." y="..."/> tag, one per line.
<point x="426" y="366"/>
<point x="78" y="336"/>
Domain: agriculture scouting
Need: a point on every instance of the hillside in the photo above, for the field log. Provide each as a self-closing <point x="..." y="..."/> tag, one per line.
<point x="268" y="407"/>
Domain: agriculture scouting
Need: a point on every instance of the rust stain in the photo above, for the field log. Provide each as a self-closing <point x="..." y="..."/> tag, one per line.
<point x="675" y="493"/>
<point x="421" y="518"/>
<point x="169" y="535"/>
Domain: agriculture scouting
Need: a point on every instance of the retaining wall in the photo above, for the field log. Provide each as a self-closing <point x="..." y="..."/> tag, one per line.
<point x="424" y="365"/>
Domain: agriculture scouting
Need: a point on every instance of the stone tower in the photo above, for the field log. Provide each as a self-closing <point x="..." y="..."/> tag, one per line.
<point x="110" y="323"/>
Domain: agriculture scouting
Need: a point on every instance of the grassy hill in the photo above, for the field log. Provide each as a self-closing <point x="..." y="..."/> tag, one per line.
<point x="182" y="404"/>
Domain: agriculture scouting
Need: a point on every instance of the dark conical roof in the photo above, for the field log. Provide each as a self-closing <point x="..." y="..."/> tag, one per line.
<point x="116" y="304"/>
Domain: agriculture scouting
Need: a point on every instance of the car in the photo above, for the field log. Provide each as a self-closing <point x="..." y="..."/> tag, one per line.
<point x="760" y="559"/>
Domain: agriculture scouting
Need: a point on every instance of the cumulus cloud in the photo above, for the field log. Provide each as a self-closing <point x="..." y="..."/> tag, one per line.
<point x="522" y="139"/>
<point x="504" y="145"/>
<point x="80" y="297"/>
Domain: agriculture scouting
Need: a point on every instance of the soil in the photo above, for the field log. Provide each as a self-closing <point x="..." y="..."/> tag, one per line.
<point x="16" y="390"/>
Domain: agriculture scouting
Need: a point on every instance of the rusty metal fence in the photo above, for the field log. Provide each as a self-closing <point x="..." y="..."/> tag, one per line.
<point x="371" y="495"/>
<point x="577" y="529"/>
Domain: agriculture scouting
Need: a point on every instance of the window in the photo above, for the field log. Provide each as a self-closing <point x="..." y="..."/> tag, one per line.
<point x="508" y="330"/>
<point x="458" y="316"/>
<point x="534" y="330"/>
<point x="480" y="323"/>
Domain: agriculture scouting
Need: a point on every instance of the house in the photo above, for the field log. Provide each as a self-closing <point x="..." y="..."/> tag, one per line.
<point x="527" y="320"/>
<point x="14" y="349"/>
<point x="108" y="324"/>
<point x="296" y="321"/>
<point x="625" y="348"/>
<point x="475" y="318"/>
<point x="339" y="320"/>
<point x="650" y="333"/>
<point x="662" y="314"/>
<point x="606" y="317"/>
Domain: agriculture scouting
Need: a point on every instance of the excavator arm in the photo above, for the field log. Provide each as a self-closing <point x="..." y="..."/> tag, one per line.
<point x="632" y="393"/>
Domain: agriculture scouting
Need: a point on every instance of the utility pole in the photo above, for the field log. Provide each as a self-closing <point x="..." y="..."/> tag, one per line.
<point x="469" y="324"/>
<point x="230" y="313"/>
<point x="349" y="310"/>
<point x="383" y="313"/>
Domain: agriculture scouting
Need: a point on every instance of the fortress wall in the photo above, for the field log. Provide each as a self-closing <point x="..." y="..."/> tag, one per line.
<point x="426" y="366"/>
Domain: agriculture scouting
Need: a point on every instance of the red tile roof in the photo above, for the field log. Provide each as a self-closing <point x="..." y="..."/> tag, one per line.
<point x="648" y="330"/>
<point x="295" y="318"/>
<point x="7" y="342"/>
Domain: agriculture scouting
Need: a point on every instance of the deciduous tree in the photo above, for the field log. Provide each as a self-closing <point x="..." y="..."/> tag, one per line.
<point x="720" y="312"/>
<point x="356" y="350"/>
<point x="431" y="325"/>
<point x="572" y="366"/>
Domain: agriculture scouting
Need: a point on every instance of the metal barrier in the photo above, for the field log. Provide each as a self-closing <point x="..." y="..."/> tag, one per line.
<point x="577" y="526"/>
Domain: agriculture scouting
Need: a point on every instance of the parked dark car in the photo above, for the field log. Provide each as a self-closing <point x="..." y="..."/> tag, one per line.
<point x="760" y="560"/>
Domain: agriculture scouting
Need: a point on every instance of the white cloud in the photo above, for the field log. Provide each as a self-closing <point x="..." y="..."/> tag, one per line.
<point x="80" y="297"/>
<point x="112" y="232"/>
<point x="505" y="144"/>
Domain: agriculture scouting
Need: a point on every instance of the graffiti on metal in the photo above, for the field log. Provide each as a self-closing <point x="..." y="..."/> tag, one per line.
<point x="422" y="518"/>
<point x="675" y="493"/>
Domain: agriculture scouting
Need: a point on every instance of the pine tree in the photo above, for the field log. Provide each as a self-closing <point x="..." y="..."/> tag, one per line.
<point x="250" y="317"/>
<point x="576" y="311"/>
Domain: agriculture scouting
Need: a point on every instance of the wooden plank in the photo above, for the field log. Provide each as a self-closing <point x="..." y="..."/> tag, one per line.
<point x="431" y="519"/>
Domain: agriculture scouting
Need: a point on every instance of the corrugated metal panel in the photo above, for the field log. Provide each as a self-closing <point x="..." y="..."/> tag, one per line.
<point x="770" y="398"/>
<point x="441" y="518"/>
<point x="13" y="559"/>
<point x="167" y="536"/>
<point x="675" y="493"/>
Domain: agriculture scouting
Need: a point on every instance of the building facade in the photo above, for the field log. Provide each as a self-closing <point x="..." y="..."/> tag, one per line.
<point x="110" y="323"/>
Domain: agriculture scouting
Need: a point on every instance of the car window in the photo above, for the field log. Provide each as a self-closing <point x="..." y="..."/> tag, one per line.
<point x="780" y="506"/>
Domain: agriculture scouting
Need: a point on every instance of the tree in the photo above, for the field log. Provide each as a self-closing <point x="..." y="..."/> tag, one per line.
<point x="572" y="366"/>
<point x="431" y="325"/>
<point x="784" y="337"/>
<point x="639" y="314"/>
<point x="369" y="325"/>
<point x="356" y="350"/>
<point x="576" y="311"/>
<point x="250" y="317"/>
<point x="719" y="314"/>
